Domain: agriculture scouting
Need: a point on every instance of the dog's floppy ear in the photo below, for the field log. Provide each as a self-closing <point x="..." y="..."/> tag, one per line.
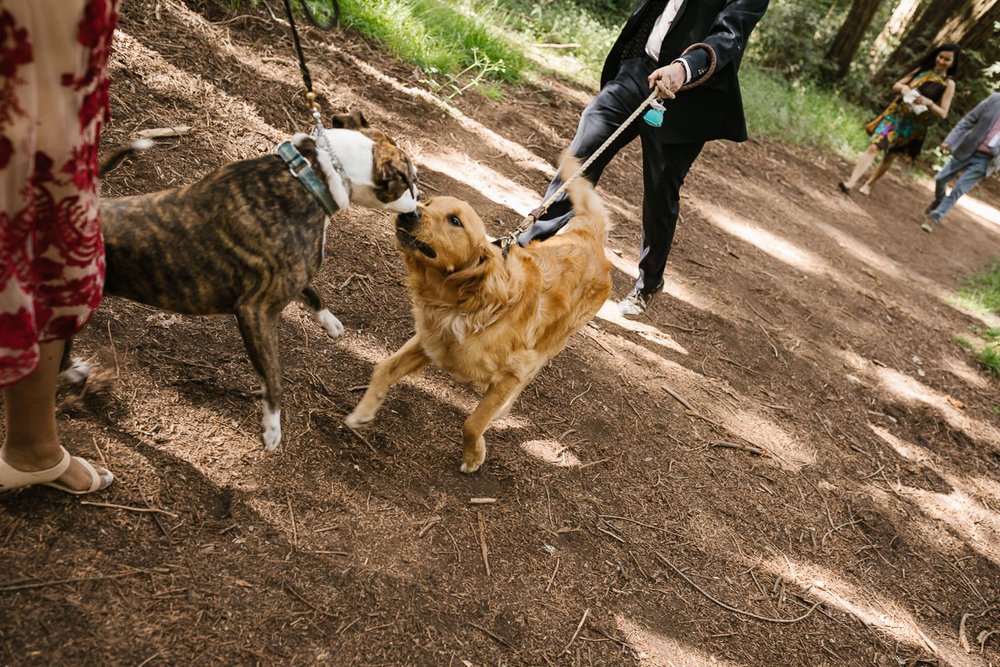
<point x="352" y="121"/>
<point x="482" y="283"/>
<point x="392" y="171"/>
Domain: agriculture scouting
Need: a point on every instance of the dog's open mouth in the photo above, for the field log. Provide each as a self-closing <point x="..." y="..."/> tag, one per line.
<point x="407" y="240"/>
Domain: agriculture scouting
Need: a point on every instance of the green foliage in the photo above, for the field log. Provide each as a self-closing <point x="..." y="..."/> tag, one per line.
<point x="440" y="37"/>
<point x="981" y="293"/>
<point x="990" y="356"/>
<point x="567" y="23"/>
<point x="792" y="38"/>
<point x="801" y="113"/>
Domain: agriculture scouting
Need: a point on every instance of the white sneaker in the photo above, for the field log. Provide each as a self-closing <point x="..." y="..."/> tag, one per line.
<point x="635" y="303"/>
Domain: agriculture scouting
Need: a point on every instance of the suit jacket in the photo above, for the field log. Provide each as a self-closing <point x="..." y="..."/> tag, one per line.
<point x="711" y="36"/>
<point x="970" y="132"/>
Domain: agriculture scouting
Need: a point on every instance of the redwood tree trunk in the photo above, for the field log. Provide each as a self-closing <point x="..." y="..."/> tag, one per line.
<point x="920" y="37"/>
<point x="976" y="35"/>
<point x="852" y="31"/>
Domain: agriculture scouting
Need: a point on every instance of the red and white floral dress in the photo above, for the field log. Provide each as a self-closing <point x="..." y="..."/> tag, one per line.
<point x="53" y="101"/>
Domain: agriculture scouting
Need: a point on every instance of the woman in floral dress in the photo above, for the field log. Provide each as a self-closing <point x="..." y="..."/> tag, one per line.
<point x="53" y="101"/>
<point x="925" y="96"/>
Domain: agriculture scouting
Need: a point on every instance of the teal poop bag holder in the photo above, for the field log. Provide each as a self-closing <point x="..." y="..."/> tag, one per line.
<point x="654" y="115"/>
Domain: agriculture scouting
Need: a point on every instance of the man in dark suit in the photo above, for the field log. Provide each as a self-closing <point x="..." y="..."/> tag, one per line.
<point x="689" y="47"/>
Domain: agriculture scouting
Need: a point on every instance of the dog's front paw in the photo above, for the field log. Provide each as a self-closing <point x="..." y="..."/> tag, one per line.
<point x="334" y="327"/>
<point x="358" y="418"/>
<point x="473" y="456"/>
<point x="272" y="430"/>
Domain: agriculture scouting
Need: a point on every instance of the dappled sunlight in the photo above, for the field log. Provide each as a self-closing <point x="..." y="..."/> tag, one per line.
<point x="522" y="156"/>
<point x="863" y="252"/>
<point x="912" y="453"/>
<point x="656" y="650"/>
<point x="673" y="283"/>
<point x="959" y="510"/>
<point x="962" y="370"/>
<point x="168" y="80"/>
<point x="609" y="313"/>
<point x="871" y="609"/>
<point x="767" y="242"/>
<point x="464" y="400"/>
<point x="947" y="296"/>
<point x="829" y="196"/>
<point x="972" y="484"/>
<point x="490" y="183"/>
<point x="551" y="452"/>
<point x="750" y="426"/>
<point x="978" y="525"/>
<point x="568" y="68"/>
<point x="984" y="214"/>
<point x="910" y="390"/>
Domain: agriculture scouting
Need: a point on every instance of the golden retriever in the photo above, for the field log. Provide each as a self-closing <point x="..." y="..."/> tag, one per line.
<point x="488" y="319"/>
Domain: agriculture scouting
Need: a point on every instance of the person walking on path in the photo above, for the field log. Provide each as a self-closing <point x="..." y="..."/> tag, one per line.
<point x="689" y="47"/>
<point x="53" y="101"/>
<point x="974" y="145"/>
<point x="925" y="96"/>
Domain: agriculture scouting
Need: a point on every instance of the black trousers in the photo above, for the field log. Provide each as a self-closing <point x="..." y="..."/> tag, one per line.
<point x="664" y="167"/>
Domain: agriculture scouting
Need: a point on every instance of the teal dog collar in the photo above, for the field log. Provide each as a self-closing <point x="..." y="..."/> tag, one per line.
<point x="302" y="169"/>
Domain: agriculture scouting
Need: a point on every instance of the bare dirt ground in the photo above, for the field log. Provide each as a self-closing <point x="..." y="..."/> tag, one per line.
<point x="794" y="426"/>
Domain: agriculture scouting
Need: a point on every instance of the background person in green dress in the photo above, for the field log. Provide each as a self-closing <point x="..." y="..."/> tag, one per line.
<point x="924" y="97"/>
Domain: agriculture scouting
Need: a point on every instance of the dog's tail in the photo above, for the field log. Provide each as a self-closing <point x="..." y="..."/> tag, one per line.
<point x="117" y="156"/>
<point x="588" y="207"/>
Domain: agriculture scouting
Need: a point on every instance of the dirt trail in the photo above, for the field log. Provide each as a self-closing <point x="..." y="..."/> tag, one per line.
<point x="794" y="423"/>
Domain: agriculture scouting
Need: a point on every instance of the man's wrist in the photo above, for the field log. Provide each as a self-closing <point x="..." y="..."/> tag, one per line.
<point x="687" y="69"/>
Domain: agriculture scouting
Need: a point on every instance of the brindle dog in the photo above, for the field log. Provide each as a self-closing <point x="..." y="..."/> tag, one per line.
<point x="248" y="238"/>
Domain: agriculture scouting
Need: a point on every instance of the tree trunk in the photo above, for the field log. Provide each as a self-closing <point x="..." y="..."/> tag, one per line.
<point x="920" y="36"/>
<point x="975" y="37"/>
<point x="973" y="14"/>
<point x="896" y="26"/>
<point x="852" y="31"/>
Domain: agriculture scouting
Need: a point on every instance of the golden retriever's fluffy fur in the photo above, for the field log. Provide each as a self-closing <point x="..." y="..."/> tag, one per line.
<point x="487" y="319"/>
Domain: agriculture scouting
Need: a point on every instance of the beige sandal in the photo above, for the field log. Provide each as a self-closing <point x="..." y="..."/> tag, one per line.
<point x="11" y="478"/>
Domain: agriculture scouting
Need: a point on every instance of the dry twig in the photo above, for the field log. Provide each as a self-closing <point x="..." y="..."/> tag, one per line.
<point x="734" y="609"/>
<point x="482" y="543"/>
<point x="579" y="627"/>
<point x="553" y="577"/>
<point x="129" y="508"/>
<point x="492" y="635"/>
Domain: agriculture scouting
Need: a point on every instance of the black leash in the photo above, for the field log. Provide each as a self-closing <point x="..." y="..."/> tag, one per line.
<point x="306" y="78"/>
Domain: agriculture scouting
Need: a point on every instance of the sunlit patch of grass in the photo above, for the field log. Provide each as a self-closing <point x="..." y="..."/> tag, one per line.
<point x="981" y="294"/>
<point x="439" y="37"/>
<point x="990" y="356"/>
<point x="801" y="114"/>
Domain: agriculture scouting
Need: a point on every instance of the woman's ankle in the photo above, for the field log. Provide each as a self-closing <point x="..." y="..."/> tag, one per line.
<point x="32" y="458"/>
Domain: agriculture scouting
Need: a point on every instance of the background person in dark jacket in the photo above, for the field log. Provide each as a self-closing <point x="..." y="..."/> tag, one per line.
<point x="974" y="145"/>
<point x="689" y="47"/>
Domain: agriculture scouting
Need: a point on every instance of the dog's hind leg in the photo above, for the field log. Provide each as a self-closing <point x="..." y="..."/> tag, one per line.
<point x="73" y="370"/>
<point x="260" y="335"/>
<point x="408" y="359"/>
<point x="497" y="399"/>
<point x="310" y="301"/>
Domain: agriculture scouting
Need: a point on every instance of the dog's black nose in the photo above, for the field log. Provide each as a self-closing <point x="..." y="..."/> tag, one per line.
<point x="408" y="221"/>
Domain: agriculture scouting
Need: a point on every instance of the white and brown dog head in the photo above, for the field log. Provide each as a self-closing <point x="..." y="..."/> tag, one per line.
<point x="378" y="173"/>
